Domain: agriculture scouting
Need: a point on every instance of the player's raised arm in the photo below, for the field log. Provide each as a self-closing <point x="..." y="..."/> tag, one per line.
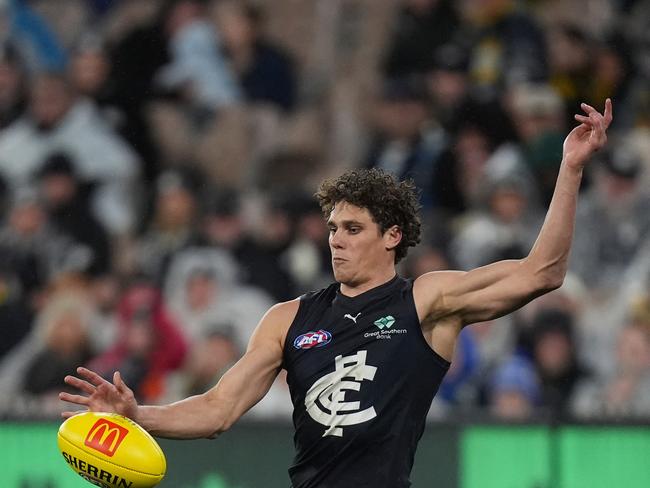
<point x="210" y="413"/>
<point x="497" y="289"/>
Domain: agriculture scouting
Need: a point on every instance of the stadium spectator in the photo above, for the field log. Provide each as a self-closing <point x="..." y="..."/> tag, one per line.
<point x="59" y="121"/>
<point x="555" y="358"/>
<point x="407" y="140"/>
<point x="15" y="313"/>
<point x="37" y="42"/>
<point x="172" y="226"/>
<point x="624" y="393"/>
<point x="506" y="226"/>
<point x="612" y="220"/>
<point x="12" y="85"/>
<point x="508" y="45"/>
<point x="198" y="72"/>
<point x="33" y="249"/>
<point x="64" y="325"/>
<point x="264" y="70"/>
<point x="207" y="360"/>
<point x="420" y="27"/>
<point x="202" y="290"/>
<point x="66" y="201"/>
<point x="514" y="390"/>
<point x="149" y="344"/>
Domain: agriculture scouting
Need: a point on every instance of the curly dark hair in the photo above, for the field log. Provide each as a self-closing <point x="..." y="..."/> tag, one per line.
<point x="389" y="201"/>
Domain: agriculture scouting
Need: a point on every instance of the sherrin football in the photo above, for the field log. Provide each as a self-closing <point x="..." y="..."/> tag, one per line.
<point x="111" y="451"/>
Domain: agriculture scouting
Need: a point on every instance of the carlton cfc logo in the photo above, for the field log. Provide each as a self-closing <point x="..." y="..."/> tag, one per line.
<point x="105" y="437"/>
<point x="312" y="339"/>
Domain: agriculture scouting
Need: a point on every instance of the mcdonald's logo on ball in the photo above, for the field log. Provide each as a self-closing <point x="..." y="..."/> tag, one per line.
<point x="105" y="437"/>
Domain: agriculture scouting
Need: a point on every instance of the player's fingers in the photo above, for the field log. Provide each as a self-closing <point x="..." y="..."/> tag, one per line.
<point x="582" y="118"/>
<point x="119" y="383"/>
<point x="588" y="108"/>
<point x="80" y="384"/>
<point x="582" y="129"/>
<point x="597" y="123"/>
<point x="91" y="376"/>
<point x="608" y="115"/>
<point x="68" y="414"/>
<point x="78" y="399"/>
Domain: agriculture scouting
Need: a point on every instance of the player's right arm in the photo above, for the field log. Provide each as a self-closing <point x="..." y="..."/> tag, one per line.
<point x="208" y="414"/>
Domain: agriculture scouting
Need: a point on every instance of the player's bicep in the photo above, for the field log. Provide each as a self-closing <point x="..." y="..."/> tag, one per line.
<point x="250" y="378"/>
<point x="484" y="293"/>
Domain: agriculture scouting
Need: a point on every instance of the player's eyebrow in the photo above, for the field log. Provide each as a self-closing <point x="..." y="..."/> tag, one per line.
<point x="344" y="223"/>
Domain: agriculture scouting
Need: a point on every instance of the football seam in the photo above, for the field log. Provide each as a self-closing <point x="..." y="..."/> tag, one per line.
<point x="109" y="462"/>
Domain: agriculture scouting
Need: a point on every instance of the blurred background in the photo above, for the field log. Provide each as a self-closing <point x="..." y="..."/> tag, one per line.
<point x="157" y="165"/>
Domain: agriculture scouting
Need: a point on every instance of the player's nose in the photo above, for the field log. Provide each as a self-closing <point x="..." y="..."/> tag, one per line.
<point x="336" y="239"/>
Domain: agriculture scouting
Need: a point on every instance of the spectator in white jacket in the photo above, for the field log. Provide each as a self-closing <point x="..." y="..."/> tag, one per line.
<point x="58" y="121"/>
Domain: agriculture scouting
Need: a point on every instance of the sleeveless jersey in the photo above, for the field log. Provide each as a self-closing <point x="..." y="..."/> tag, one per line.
<point x="361" y="378"/>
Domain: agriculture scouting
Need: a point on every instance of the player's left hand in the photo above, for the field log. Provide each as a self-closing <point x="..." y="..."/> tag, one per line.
<point x="589" y="136"/>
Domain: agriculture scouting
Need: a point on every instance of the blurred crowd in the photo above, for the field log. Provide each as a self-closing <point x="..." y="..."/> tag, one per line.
<point x="158" y="160"/>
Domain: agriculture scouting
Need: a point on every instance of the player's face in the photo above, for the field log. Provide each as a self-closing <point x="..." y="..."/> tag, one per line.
<point x="360" y="252"/>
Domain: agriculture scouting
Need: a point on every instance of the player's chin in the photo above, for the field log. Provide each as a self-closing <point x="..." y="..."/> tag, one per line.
<point x="340" y="275"/>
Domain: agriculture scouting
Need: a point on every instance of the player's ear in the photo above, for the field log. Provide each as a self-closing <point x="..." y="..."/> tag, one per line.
<point x="393" y="236"/>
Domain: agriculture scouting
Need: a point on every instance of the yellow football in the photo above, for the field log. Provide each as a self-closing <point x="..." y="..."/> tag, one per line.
<point x="111" y="451"/>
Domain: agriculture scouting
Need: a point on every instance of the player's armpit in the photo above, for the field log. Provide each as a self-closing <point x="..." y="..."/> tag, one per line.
<point x="481" y="294"/>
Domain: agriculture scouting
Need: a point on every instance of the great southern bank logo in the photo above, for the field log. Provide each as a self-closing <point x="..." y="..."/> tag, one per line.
<point x="309" y="340"/>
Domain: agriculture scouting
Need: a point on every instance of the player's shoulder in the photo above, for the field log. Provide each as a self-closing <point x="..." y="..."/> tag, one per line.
<point x="283" y="312"/>
<point x="429" y="289"/>
<point x="276" y="322"/>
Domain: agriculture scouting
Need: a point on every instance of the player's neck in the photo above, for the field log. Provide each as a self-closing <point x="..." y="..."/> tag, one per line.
<point x="354" y="289"/>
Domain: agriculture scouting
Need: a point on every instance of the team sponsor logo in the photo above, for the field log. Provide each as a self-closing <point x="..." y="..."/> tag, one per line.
<point x="310" y="340"/>
<point x="105" y="436"/>
<point x="385" y="324"/>
<point x="325" y="400"/>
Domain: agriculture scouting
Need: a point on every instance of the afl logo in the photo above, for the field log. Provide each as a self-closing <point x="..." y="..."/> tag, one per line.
<point x="312" y="339"/>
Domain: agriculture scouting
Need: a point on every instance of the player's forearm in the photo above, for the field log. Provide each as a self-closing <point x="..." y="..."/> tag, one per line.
<point x="549" y="256"/>
<point x="192" y="418"/>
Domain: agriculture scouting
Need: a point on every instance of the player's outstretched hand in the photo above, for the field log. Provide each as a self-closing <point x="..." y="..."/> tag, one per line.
<point x="589" y="136"/>
<point x="100" y="395"/>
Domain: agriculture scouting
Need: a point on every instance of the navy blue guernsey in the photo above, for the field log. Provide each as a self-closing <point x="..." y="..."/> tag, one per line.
<point x="362" y="378"/>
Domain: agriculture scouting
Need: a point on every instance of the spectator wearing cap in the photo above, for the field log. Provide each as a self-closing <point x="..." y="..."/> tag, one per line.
<point x="407" y="141"/>
<point x="514" y="390"/>
<point x="66" y="200"/>
<point x="612" y="220"/>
